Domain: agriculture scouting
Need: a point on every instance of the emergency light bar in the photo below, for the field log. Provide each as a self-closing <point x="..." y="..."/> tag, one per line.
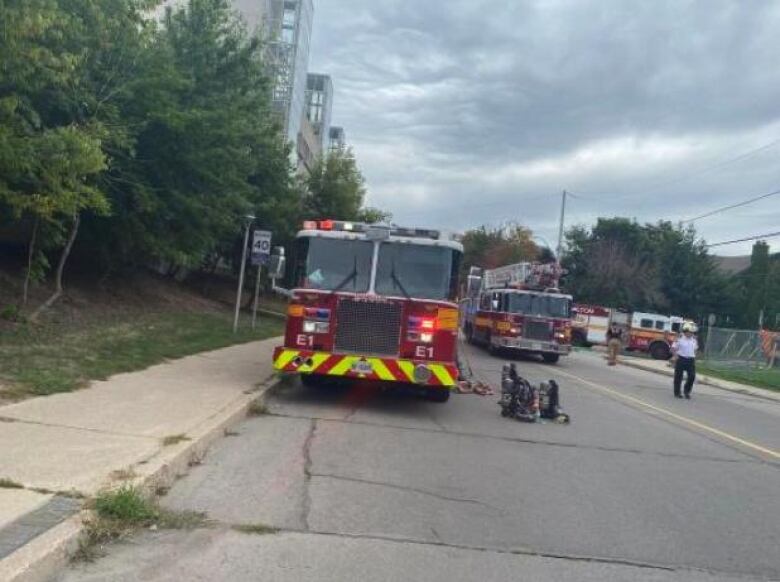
<point x="359" y="227"/>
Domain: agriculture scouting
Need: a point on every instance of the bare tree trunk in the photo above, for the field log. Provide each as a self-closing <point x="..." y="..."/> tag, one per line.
<point x="60" y="269"/>
<point x="30" y="255"/>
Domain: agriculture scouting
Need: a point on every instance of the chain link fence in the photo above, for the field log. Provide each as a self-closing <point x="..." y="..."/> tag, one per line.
<point x="734" y="349"/>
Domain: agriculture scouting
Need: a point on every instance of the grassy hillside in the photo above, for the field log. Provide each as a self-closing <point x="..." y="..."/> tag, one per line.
<point x="101" y="328"/>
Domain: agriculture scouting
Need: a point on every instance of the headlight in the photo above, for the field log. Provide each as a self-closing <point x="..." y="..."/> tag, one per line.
<point x="426" y="338"/>
<point x="316" y="327"/>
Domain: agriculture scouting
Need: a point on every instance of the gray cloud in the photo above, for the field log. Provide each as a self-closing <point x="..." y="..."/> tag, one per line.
<point x="463" y="112"/>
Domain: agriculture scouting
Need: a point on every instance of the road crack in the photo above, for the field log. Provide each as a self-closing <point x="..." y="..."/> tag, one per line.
<point x="407" y="489"/>
<point x="307" y="475"/>
<point x="578" y="446"/>
<point x="509" y="551"/>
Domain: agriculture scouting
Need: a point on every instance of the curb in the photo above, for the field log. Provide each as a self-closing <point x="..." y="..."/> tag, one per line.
<point x="707" y="381"/>
<point x="46" y="555"/>
<point x="272" y="313"/>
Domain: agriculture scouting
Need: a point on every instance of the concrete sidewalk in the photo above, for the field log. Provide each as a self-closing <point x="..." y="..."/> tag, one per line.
<point x="662" y="367"/>
<point x="143" y="426"/>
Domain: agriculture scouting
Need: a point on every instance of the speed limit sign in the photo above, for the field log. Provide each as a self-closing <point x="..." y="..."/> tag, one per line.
<point x="261" y="247"/>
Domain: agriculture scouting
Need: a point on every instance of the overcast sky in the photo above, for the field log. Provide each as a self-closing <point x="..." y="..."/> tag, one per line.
<point x="466" y="112"/>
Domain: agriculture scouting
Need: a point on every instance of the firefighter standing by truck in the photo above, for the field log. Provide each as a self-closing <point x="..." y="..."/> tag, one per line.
<point x="685" y="349"/>
<point x="614" y="344"/>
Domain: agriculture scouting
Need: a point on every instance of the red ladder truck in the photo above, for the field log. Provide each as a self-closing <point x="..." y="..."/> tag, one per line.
<point x="374" y="303"/>
<point x="519" y="307"/>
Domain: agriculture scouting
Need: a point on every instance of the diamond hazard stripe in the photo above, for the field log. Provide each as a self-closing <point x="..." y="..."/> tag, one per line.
<point x="328" y="364"/>
<point x="285" y="358"/>
<point x="408" y="370"/>
<point x="381" y="371"/>
<point x="387" y="370"/>
<point x="317" y="361"/>
<point x="395" y="370"/>
<point x="343" y="366"/>
<point x="442" y="374"/>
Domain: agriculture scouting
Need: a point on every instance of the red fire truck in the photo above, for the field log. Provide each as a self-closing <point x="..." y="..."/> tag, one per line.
<point x="375" y="303"/>
<point x="519" y="307"/>
<point x="652" y="333"/>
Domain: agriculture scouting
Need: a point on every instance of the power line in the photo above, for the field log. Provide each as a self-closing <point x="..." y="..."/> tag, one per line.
<point x="704" y="170"/>
<point x="739" y="240"/>
<point x="720" y="165"/>
<point x="732" y="206"/>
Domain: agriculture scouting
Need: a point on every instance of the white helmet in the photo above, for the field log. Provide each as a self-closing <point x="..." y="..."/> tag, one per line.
<point x="689" y="326"/>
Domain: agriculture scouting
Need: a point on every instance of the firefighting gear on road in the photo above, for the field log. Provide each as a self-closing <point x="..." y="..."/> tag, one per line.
<point x="528" y="403"/>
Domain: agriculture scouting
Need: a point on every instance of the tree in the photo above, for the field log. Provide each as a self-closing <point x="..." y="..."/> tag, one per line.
<point x="756" y="281"/>
<point x="50" y="151"/>
<point x="204" y="148"/>
<point x="134" y="142"/>
<point x="335" y="188"/>
<point x="494" y="247"/>
<point x="654" y="267"/>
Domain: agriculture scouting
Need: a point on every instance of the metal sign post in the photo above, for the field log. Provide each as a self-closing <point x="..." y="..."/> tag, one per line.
<point x="257" y="297"/>
<point x="261" y="254"/>
<point x="249" y="220"/>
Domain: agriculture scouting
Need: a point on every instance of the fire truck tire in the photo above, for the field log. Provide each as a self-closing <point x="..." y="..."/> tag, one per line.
<point x="660" y="351"/>
<point x="578" y="338"/>
<point x="437" y="395"/>
<point x="313" y="380"/>
<point x="551" y="358"/>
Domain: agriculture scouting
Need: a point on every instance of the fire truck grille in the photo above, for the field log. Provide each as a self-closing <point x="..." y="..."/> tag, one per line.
<point x="368" y="327"/>
<point x="538" y="330"/>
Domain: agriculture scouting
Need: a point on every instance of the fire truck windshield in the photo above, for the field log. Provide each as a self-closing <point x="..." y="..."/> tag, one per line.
<point x="405" y="270"/>
<point x="335" y="264"/>
<point x="417" y="271"/>
<point x="538" y="305"/>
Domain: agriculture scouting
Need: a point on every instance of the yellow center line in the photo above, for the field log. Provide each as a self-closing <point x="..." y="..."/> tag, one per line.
<point x="678" y="417"/>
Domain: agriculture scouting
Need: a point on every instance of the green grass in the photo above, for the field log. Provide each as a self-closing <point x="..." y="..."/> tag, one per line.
<point x="174" y="439"/>
<point x="259" y="529"/>
<point x="60" y="358"/>
<point x="126" y="505"/>
<point x="766" y="378"/>
<point x="10" y="484"/>
<point x="122" y="512"/>
<point x="257" y="408"/>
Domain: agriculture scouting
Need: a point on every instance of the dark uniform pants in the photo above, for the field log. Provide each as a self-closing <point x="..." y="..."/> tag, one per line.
<point x="684" y="365"/>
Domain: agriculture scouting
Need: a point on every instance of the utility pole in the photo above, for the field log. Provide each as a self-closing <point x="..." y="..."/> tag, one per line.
<point x="560" y="229"/>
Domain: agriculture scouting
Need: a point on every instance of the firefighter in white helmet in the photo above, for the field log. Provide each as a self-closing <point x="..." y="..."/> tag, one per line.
<point x="685" y="348"/>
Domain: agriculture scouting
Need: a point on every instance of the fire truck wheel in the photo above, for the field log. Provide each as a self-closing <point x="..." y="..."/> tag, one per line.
<point x="579" y="339"/>
<point x="492" y="349"/>
<point x="660" y="351"/>
<point x="312" y="380"/>
<point x="469" y="331"/>
<point x="437" y="394"/>
<point x="551" y="358"/>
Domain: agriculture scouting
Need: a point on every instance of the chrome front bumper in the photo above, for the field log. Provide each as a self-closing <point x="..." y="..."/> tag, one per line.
<point x="529" y="345"/>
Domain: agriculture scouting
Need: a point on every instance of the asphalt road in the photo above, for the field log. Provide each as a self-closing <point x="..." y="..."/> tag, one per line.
<point x="640" y="486"/>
